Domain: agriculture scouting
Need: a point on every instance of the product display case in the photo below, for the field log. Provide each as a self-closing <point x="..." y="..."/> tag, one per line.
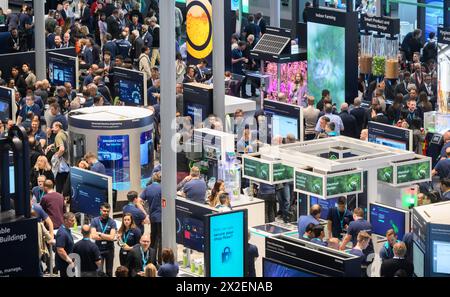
<point x="392" y="70"/>
<point x="366" y="56"/>
<point x="379" y="57"/>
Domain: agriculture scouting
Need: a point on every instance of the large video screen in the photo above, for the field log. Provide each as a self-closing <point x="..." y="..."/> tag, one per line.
<point x="282" y="119"/>
<point x="6" y="111"/>
<point x="227" y="248"/>
<point x="62" y="69"/>
<point x="190" y="224"/>
<point x="325" y="204"/>
<point x="130" y="86"/>
<point x="384" y="218"/>
<point x="275" y="269"/>
<point x="89" y="191"/>
<point x="282" y="126"/>
<point x="114" y="153"/>
<point x="326" y="61"/>
<point x="441" y="257"/>
<point x="146" y="145"/>
<point x="391" y="136"/>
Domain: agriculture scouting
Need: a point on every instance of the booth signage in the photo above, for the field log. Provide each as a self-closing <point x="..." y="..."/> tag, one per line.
<point x="326" y="16"/>
<point x="282" y="172"/>
<point x="380" y="24"/>
<point x="413" y="172"/>
<point x="256" y="169"/>
<point x="344" y="184"/>
<point x="19" y="248"/>
<point x="444" y="35"/>
<point x="386" y="174"/>
<point x="308" y="183"/>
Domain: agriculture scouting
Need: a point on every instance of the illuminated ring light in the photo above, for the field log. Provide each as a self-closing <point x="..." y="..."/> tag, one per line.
<point x="205" y="48"/>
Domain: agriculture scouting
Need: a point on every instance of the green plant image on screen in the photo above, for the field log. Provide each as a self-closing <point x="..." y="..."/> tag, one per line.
<point x="326" y="61"/>
<point x="309" y="183"/>
<point x="344" y="184"/>
<point x="256" y="169"/>
<point x="386" y="174"/>
<point x="413" y="172"/>
<point x="282" y="172"/>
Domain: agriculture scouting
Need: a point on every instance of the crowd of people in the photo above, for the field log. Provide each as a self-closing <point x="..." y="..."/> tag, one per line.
<point x="108" y="34"/>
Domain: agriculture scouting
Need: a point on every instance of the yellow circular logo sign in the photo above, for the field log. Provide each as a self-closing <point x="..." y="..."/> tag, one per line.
<point x="199" y="28"/>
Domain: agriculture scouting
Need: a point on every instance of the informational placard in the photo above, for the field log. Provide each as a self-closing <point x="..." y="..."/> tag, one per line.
<point x="19" y="248"/>
<point x="386" y="174"/>
<point x="308" y="182"/>
<point x="282" y="172"/>
<point x="385" y="25"/>
<point x="344" y="184"/>
<point x="413" y="172"/>
<point x="226" y="250"/>
<point x="444" y="35"/>
<point x="256" y="169"/>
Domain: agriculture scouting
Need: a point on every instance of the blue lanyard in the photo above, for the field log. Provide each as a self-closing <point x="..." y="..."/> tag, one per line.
<point x="125" y="236"/>
<point x="144" y="258"/>
<point x="343" y="218"/>
<point x="86" y="239"/>
<point x="101" y="226"/>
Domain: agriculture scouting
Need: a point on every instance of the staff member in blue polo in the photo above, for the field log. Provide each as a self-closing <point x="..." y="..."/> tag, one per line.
<point x="338" y="219"/>
<point x="387" y="251"/>
<point x="312" y="218"/>
<point x="128" y="236"/>
<point x="104" y="232"/>
<point x="135" y="208"/>
<point x="359" y="224"/>
<point x="64" y="245"/>
<point x="94" y="164"/>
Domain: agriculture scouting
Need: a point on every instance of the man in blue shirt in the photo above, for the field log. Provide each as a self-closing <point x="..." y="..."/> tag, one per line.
<point x="94" y="164"/>
<point x="123" y="46"/>
<point x="90" y="258"/>
<point x="442" y="168"/>
<point x="64" y="245"/>
<point x="338" y="218"/>
<point x="446" y="138"/>
<point x="359" y="224"/>
<point x="445" y="189"/>
<point x="252" y="255"/>
<point x="339" y="125"/>
<point x="29" y="110"/>
<point x="194" y="187"/>
<point x="104" y="231"/>
<point x="387" y="250"/>
<point x="312" y="218"/>
<point x="135" y="208"/>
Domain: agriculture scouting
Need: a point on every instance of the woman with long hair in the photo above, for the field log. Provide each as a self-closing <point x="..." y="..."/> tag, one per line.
<point x="213" y="199"/>
<point x="42" y="167"/>
<point x="128" y="236"/>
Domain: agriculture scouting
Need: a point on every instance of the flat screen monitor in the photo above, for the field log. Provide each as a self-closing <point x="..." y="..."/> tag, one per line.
<point x="441" y="257"/>
<point x="383" y="218"/>
<point x="418" y="260"/>
<point x="7" y="109"/>
<point x="130" y="86"/>
<point x="273" y="268"/>
<point x="62" y="69"/>
<point x="283" y="119"/>
<point x="190" y="224"/>
<point x="388" y="135"/>
<point x="196" y="111"/>
<point x="325" y="205"/>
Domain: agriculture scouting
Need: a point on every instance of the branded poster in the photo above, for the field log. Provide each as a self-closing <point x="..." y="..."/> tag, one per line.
<point x="199" y="30"/>
<point x="308" y="183"/>
<point x="227" y="237"/>
<point x="19" y="249"/>
<point x="386" y="174"/>
<point x="413" y="172"/>
<point x="282" y="172"/>
<point x="256" y="169"/>
<point x="344" y="184"/>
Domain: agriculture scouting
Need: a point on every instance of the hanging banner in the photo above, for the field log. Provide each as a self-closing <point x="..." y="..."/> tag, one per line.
<point x="199" y="31"/>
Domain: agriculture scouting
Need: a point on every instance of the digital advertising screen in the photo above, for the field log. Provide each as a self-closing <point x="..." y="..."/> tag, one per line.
<point x="114" y="153"/>
<point x="282" y="126"/>
<point x="413" y="172"/>
<point x="196" y="111"/>
<point x="325" y="204"/>
<point x="130" y="86"/>
<point x="326" y="61"/>
<point x="62" y="69"/>
<point x="7" y="109"/>
<point x="344" y="184"/>
<point x="282" y="172"/>
<point x="386" y="174"/>
<point x="273" y="268"/>
<point x="391" y="136"/>
<point x="190" y="224"/>
<point x="89" y="190"/>
<point x="441" y="257"/>
<point x="12" y="184"/>
<point x="308" y="183"/>
<point x="146" y="150"/>
<point x="418" y="260"/>
<point x="283" y="119"/>
<point x="256" y="169"/>
<point x="227" y="239"/>
<point x="384" y="218"/>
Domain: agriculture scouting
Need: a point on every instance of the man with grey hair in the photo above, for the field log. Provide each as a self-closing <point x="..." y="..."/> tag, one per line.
<point x="147" y="36"/>
<point x="154" y="27"/>
<point x="339" y="125"/>
<point x="349" y="122"/>
<point x="311" y="114"/>
<point x="358" y="112"/>
<point x="392" y="267"/>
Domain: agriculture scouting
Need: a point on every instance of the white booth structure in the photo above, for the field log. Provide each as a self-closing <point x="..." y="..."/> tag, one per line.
<point x="122" y="138"/>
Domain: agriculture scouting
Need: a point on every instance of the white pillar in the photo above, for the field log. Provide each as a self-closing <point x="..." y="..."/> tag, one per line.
<point x="275" y="15"/>
<point x="219" y="58"/>
<point x="39" y="36"/>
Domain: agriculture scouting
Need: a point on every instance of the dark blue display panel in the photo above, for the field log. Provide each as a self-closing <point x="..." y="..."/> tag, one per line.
<point x="389" y="136"/>
<point x="282" y="119"/>
<point x="273" y="268"/>
<point x="89" y="191"/>
<point x="5" y="104"/>
<point x="325" y="204"/>
<point x="385" y="218"/>
<point x="190" y="224"/>
<point x="146" y="149"/>
<point x="196" y="111"/>
<point x="130" y="86"/>
<point x="114" y="153"/>
<point x="62" y="69"/>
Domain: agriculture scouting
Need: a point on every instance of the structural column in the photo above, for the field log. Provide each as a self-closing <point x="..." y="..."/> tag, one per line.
<point x="168" y="110"/>
<point x="39" y="37"/>
<point x="275" y="15"/>
<point x="446" y="13"/>
<point x="219" y="58"/>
